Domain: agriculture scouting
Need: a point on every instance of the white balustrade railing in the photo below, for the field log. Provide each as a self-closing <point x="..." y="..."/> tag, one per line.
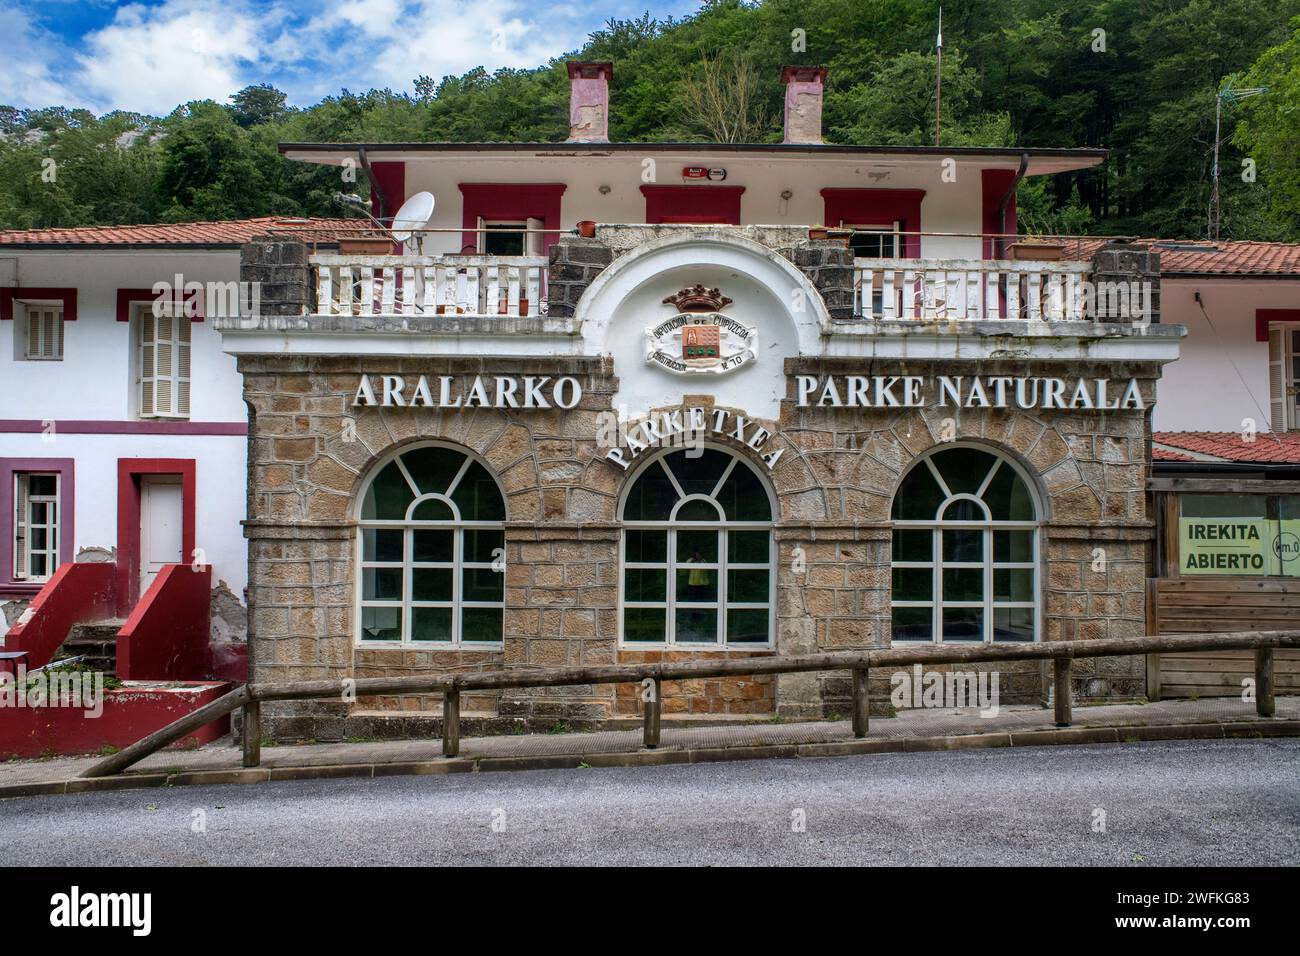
<point x="937" y="290"/>
<point x="430" y="285"/>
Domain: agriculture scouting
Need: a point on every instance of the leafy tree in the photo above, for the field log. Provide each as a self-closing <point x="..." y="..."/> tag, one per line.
<point x="1269" y="133"/>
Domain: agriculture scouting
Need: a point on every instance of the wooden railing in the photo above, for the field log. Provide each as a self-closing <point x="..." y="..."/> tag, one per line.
<point x="940" y="290"/>
<point x="430" y="285"/>
<point x="652" y="676"/>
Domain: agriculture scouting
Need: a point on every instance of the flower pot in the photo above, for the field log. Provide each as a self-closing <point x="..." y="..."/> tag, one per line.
<point x="587" y="229"/>
<point x="366" y="247"/>
<point x="818" y="232"/>
<point x="1036" y="251"/>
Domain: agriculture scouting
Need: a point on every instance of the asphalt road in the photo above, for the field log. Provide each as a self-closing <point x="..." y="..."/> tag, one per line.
<point x="1171" y="803"/>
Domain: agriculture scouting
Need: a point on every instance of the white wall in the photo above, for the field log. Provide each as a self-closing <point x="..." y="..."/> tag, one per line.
<point x="947" y="206"/>
<point x="94" y="383"/>
<point x="1221" y="376"/>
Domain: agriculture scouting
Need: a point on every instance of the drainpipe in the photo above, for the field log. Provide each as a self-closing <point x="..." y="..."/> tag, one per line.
<point x="999" y="245"/>
<point x="379" y="190"/>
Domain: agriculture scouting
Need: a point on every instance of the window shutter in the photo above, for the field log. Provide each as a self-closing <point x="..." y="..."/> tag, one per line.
<point x="184" y="329"/>
<point x="534" y="242"/>
<point x="44" y="333"/>
<point x="20" y="526"/>
<point x="1277" y="378"/>
<point x="147" y="369"/>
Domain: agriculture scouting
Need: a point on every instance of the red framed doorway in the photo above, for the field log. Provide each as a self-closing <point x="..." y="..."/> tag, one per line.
<point x="130" y="472"/>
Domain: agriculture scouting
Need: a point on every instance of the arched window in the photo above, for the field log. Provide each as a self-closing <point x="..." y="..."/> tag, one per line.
<point x="697" y="553"/>
<point x="432" y="547"/>
<point x="965" y="560"/>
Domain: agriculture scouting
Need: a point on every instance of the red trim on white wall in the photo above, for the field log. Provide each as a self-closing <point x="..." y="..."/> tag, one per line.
<point x="66" y="468"/>
<point x="126" y="297"/>
<point x="878" y="207"/>
<point x="391" y="176"/>
<point x="994" y="184"/>
<point x="703" y="204"/>
<point x="37" y="293"/>
<point x="129" y="471"/>
<point x="510" y="201"/>
<point x="30" y="426"/>
<point x="1264" y="316"/>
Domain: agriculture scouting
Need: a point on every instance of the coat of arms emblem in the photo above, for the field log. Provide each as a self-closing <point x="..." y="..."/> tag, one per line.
<point x="700" y="338"/>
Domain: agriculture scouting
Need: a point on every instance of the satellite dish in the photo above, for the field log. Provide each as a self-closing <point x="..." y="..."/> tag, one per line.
<point x="414" y="214"/>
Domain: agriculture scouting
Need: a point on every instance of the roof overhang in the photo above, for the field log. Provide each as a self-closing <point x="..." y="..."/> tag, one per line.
<point x="1041" y="161"/>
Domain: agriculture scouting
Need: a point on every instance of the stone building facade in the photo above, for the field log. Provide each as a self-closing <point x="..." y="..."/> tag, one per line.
<point x="831" y="413"/>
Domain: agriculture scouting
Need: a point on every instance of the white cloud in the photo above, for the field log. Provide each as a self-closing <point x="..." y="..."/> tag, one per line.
<point x="28" y="76"/>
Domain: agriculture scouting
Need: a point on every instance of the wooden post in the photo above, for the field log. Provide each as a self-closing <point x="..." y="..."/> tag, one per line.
<point x="253" y="734"/>
<point x="1264" y="705"/>
<point x="451" y="723"/>
<point x="653" y="710"/>
<point x="861" y="703"/>
<point x="1061" y="669"/>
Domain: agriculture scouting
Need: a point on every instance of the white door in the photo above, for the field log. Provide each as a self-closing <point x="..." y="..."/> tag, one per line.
<point x="160" y="525"/>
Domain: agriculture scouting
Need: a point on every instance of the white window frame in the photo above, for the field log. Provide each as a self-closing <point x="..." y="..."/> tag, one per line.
<point x="520" y="225"/>
<point x="145" y="363"/>
<point x="23" y="526"/>
<point x="671" y="565"/>
<point x="34" y="342"/>
<point x="408" y="565"/>
<point x="1283" y="383"/>
<point x="936" y="565"/>
<point x="893" y="230"/>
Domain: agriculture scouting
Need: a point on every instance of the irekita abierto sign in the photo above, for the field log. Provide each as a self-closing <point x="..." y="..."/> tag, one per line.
<point x="961" y="391"/>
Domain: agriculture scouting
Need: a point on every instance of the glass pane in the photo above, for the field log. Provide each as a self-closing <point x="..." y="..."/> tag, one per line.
<point x="431" y="584"/>
<point x="1013" y="546"/>
<point x="698" y="511"/>
<point x="747" y="626"/>
<point x="697" y="584"/>
<point x="1013" y="585"/>
<point x="914" y="545"/>
<point x="697" y="626"/>
<point x="1013" y="624"/>
<point x="1223" y="506"/>
<point x="432" y="469"/>
<point x="963" y="624"/>
<point x="963" y="469"/>
<point x="695" y="546"/>
<point x="645" y="546"/>
<point x="749" y="547"/>
<point x="485" y="546"/>
<point x="432" y="545"/>
<point x="743" y="497"/>
<point x="482" y="584"/>
<point x="39" y="512"/>
<point x="381" y="623"/>
<point x="963" y="584"/>
<point x="918" y="497"/>
<point x="1008" y="496"/>
<point x="699" y="475"/>
<point x="645" y="584"/>
<point x="40" y="567"/>
<point x="433" y="510"/>
<point x="388" y="496"/>
<point x="379" y="545"/>
<point x="747" y="587"/>
<point x="652" y="496"/>
<point x="47" y="485"/>
<point x="912" y="624"/>
<point x="381" y="584"/>
<point x="481" y="624"/>
<point x="644" y="624"/>
<point x="963" y="544"/>
<point x="431" y="623"/>
<point x="478" y="497"/>
<point x="963" y="509"/>
<point x="39" y="539"/>
<point x="913" y="584"/>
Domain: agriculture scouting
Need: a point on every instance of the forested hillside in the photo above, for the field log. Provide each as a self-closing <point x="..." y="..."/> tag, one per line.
<point x="1015" y="72"/>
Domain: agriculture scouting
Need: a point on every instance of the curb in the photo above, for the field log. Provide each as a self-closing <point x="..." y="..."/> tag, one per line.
<point x="1063" y="736"/>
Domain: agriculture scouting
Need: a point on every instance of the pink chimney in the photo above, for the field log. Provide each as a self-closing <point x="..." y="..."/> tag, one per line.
<point x="589" y="101"/>
<point x="804" y="86"/>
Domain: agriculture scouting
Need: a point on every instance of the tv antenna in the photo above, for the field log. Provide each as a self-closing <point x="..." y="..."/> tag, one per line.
<point x="1232" y="97"/>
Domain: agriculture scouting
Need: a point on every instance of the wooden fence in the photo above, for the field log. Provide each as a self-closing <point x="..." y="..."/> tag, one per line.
<point x="859" y="663"/>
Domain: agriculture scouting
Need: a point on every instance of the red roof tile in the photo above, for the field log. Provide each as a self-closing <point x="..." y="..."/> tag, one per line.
<point x="1226" y="447"/>
<point x="228" y="233"/>
<point x="1202" y="257"/>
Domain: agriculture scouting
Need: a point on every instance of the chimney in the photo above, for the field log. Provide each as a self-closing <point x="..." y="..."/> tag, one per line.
<point x="589" y="101"/>
<point x="804" y="86"/>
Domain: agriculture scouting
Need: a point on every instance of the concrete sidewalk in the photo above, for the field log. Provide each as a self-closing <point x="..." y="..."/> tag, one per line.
<point x="912" y="730"/>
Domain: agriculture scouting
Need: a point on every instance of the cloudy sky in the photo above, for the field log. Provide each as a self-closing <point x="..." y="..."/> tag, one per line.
<point x="152" y="56"/>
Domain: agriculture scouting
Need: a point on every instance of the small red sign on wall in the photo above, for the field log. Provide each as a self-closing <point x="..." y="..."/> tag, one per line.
<point x="714" y="173"/>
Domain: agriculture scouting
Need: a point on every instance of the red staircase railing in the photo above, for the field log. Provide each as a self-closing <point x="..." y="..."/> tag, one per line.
<point x="76" y="594"/>
<point x="168" y="633"/>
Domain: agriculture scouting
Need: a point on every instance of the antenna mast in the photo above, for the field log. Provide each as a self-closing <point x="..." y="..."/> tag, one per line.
<point x="938" y="77"/>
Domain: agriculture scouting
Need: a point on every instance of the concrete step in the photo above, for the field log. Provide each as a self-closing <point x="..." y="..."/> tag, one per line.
<point x="95" y="642"/>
